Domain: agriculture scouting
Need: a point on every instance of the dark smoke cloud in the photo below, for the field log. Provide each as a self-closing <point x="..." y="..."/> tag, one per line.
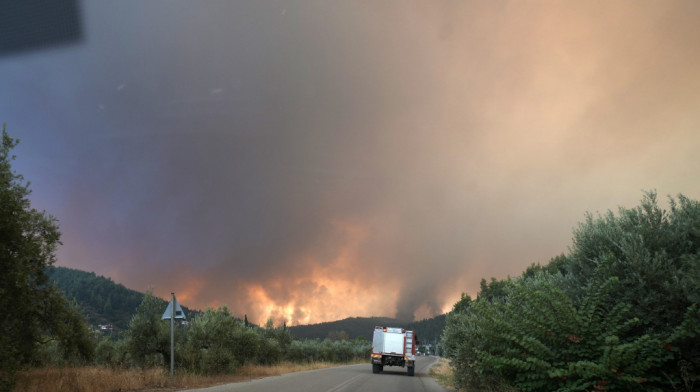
<point x="312" y="160"/>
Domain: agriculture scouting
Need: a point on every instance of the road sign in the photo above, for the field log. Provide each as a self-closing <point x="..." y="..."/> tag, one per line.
<point x="169" y="315"/>
<point x="179" y="314"/>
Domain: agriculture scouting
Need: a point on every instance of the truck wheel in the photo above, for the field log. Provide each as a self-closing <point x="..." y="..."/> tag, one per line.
<point x="411" y="370"/>
<point x="376" y="368"/>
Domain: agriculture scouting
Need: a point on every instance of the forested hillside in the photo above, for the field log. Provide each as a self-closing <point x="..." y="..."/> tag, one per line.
<point x="352" y="328"/>
<point x="428" y="330"/>
<point x="102" y="300"/>
<point x="213" y="341"/>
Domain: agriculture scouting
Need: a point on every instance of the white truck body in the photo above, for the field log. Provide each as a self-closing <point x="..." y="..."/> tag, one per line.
<point x="393" y="347"/>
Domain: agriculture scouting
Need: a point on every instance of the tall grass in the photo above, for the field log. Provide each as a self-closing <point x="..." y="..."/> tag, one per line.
<point x="442" y="373"/>
<point x="84" y="379"/>
<point x="92" y="378"/>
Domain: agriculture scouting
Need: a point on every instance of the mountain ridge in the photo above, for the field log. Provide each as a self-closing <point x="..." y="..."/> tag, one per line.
<point x="104" y="301"/>
<point x="427" y="330"/>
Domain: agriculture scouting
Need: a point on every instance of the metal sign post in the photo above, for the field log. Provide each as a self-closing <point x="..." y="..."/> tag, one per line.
<point x="172" y="339"/>
<point x="173" y="311"/>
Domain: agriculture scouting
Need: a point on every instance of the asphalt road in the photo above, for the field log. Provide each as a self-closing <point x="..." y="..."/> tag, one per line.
<point x="353" y="378"/>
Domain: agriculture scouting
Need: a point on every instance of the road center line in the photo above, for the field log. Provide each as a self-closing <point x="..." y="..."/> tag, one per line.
<point x="342" y="386"/>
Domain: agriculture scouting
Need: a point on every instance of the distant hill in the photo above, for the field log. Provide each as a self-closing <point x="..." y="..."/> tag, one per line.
<point x="428" y="330"/>
<point x="106" y="302"/>
<point x="103" y="301"/>
<point x="353" y="326"/>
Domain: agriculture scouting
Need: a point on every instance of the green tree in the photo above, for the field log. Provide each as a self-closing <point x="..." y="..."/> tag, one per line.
<point x="211" y="344"/>
<point x="148" y="337"/>
<point x="538" y="340"/>
<point x="655" y="254"/>
<point x="28" y="241"/>
<point x="68" y="328"/>
<point x="619" y="312"/>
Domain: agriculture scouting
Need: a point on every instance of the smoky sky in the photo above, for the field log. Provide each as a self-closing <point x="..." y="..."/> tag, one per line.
<point x="310" y="161"/>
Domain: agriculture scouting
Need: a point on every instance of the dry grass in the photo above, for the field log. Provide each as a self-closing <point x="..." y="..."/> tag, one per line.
<point x="442" y="373"/>
<point x="89" y="379"/>
<point x="84" y="379"/>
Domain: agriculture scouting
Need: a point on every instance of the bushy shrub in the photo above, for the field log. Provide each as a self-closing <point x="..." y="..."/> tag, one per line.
<point x="148" y="337"/>
<point x="328" y="351"/>
<point x="619" y="312"/>
<point x="110" y="352"/>
<point x="215" y="360"/>
<point x="269" y="352"/>
<point x="246" y="345"/>
<point x="654" y="253"/>
<point x="210" y="345"/>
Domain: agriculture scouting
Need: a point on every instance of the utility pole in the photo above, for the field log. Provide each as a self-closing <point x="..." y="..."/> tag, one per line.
<point x="172" y="312"/>
<point x="172" y="338"/>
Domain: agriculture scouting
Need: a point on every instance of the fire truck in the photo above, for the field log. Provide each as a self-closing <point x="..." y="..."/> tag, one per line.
<point x="393" y="347"/>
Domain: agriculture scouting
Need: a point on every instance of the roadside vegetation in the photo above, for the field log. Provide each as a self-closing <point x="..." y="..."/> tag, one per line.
<point x="213" y="348"/>
<point x="34" y="313"/>
<point x="619" y="312"/>
<point x="101" y="378"/>
<point x="441" y="371"/>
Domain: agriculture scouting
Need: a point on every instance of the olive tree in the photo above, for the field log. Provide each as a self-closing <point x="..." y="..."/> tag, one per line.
<point x="33" y="311"/>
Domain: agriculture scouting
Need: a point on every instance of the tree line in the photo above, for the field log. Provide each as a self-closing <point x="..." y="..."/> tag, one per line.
<point x="428" y="330"/>
<point x="619" y="312"/>
<point x="215" y="342"/>
<point x="34" y="313"/>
